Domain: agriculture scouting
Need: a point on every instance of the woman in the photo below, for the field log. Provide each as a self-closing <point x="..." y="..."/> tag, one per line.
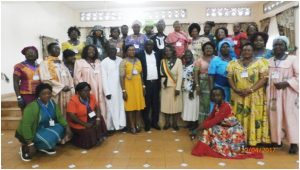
<point x="259" y="41"/>
<point x="222" y="135"/>
<point x="116" y="41"/>
<point x="201" y="80"/>
<point x="73" y="43"/>
<point x="207" y="31"/>
<point x="55" y="73"/>
<point x="247" y="77"/>
<point x="88" y="69"/>
<point x="178" y="39"/>
<point x="84" y="118"/>
<point x="69" y="60"/>
<point x="26" y="77"/>
<point x="283" y="94"/>
<point x="97" y="38"/>
<point x="137" y="39"/>
<point x="221" y="34"/>
<point x="42" y="126"/>
<point x="148" y="29"/>
<point x="251" y="29"/>
<point x="217" y="69"/>
<point x="171" y="73"/>
<point x="132" y="87"/>
<point x="197" y="41"/>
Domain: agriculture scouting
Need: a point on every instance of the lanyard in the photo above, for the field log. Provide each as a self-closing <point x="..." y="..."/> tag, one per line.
<point x="45" y="108"/>
<point x="86" y="103"/>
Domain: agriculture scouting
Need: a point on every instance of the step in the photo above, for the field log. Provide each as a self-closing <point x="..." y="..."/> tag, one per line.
<point x="8" y="104"/>
<point x="10" y="123"/>
<point x="11" y="112"/>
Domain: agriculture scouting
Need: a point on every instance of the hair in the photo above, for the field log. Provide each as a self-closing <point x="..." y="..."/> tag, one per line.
<point x="172" y="49"/>
<point x="192" y="26"/>
<point x="206" y="44"/>
<point x="217" y="88"/>
<point x="210" y="23"/>
<point x="68" y="53"/>
<point x="85" y="52"/>
<point x="254" y="25"/>
<point x="127" y="47"/>
<point x="124" y="26"/>
<point x="265" y="37"/>
<point x="73" y="29"/>
<point x="112" y="30"/>
<point x="247" y="44"/>
<point x="51" y="45"/>
<point x="81" y="86"/>
<point x="221" y="28"/>
<point x="41" y="87"/>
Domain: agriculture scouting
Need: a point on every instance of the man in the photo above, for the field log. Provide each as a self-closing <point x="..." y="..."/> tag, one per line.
<point x="116" y="118"/>
<point x="159" y="38"/>
<point x="151" y="65"/>
<point x="124" y="31"/>
<point x="239" y="39"/>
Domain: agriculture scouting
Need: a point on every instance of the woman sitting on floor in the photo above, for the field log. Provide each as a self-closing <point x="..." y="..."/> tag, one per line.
<point x="222" y="135"/>
<point x="42" y="125"/>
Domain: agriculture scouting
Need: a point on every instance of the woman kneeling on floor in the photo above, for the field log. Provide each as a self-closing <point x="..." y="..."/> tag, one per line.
<point x="222" y="135"/>
<point x="84" y="117"/>
<point x="42" y="125"/>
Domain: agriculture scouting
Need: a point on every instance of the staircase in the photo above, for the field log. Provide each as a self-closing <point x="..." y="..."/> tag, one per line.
<point x="10" y="112"/>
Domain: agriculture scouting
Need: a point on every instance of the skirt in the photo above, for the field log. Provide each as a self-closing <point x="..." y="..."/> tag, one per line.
<point x="169" y="103"/>
<point x="190" y="107"/>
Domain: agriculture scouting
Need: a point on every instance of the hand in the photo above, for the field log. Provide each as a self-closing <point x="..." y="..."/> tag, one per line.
<point x="21" y="103"/>
<point x="88" y="125"/>
<point x="66" y="88"/>
<point x="245" y="92"/>
<point x="281" y="85"/>
<point x="125" y="96"/>
<point x="191" y="95"/>
<point x="177" y="92"/>
<point x="108" y="97"/>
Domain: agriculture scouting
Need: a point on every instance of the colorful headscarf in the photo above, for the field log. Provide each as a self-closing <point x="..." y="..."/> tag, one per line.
<point x="27" y="48"/>
<point x="231" y="46"/>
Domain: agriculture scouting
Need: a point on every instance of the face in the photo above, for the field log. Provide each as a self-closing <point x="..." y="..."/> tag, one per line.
<point x="207" y="28"/>
<point x="31" y="54"/>
<point x="98" y="33"/>
<point x="115" y="33"/>
<point x="236" y="28"/>
<point x="112" y="51"/>
<point x="208" y="50"/>
<point x="148" y="29"/>
<point x="131" y="51"/>
<point x="160" y="28"/>
<point x="217" y="96"/>
<point x="149" y="46"/>
<point x="279" y="47"/>
<point x="168" y="52"/>
<point x="251" y="30"/>
<point x="221" y="34"/>
<point x="91" y="52"/>
<point x="124" y="30"/>
<point x="188" y="56"/>
<point x="176" y="27"/>
<point x="225" y="49"/>
<point x="136" y="29"/>
<point x="71" y="59"/>
<point x="74" y="34"/>
<point x="247" y="51"/>
<point x="259" y="42"/>
<point x="45" y="95"/>
<point x="85" y="92"/>
<point x="55" y="50"/>
<point x="194" y="33"/>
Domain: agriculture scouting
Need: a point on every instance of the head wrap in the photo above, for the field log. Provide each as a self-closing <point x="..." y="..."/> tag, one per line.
<point x="136" y="22"/>
<point x="284" y="39"/>
<point x="231" y="49"/>
<point x="161" y="22"/>
<point x="98" y="28"/>
<point x="149" y="23"/>
<point x="27" y="48"/>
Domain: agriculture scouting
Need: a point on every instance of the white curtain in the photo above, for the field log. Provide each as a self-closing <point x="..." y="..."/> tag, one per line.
<point x="273" y="32"/>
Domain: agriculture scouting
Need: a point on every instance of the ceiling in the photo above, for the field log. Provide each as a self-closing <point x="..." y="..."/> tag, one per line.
<point x="85" y="5"/>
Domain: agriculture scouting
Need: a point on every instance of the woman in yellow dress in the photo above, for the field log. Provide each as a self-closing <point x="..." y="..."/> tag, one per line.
<point x="132" y="87"/>
<point x="247" y="77"/>
<point x="74" y="43"/>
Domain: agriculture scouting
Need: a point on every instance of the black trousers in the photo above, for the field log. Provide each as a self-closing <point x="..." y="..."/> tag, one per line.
<point x="152" y="103"/>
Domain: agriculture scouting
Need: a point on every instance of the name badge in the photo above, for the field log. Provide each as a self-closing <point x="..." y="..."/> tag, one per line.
<point x="118" y="50"/>
<point x="235" y="42"/>
<point x="51" y="122"/>
<point x="136" y="46"/>
<point x="178" y="44"/>
<point x="99" y="50"/>
<point x="36" y="77"/>
<point x="75" y="51"/>
<point x="92" y="114"/>
<point x="275" y="75"/>
<point x="63" y="73"/>
<point x="134" y="72"/>
<point x="244" y="74"/>
<point x="96" y="71"/>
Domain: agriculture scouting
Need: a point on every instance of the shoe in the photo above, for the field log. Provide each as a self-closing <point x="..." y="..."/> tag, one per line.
<point x="133" y="130"/>
<point x="176" y="128"/>
<point x="48" y="151"/>
<point x="293" y="149"/>
<point x="138" y="129"/>
<point x="166" y="127"/>
<point x="110" y="132"/>
<point x="147" y="128"/>
<point x="275" y="145"/>
<point x="24" y="155"/>
<point x="125" y="129"/>
<point x="156" y="127"/>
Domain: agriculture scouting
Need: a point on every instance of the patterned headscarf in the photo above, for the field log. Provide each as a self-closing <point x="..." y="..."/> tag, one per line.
<point x="231" y="45"/>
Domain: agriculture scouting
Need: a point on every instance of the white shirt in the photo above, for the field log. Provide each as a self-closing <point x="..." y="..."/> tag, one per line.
<point x="151" y="66"/>
<point x="160" y="42"/>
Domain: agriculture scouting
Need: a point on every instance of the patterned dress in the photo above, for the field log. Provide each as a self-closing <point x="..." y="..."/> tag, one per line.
<point x="250" y="110"/>
<point x="196" y="46"/>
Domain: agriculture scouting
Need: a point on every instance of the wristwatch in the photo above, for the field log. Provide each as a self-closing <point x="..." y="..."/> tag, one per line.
<point x="19" y="97"/>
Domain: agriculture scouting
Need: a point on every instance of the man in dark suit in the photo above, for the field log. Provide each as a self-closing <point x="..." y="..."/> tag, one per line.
<point x="151" y="77"/>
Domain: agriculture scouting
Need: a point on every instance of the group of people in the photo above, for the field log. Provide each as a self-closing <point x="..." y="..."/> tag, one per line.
<point x="230" y="88"/>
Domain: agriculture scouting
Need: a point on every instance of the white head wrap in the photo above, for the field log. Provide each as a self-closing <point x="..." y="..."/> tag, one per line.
<point x="284" y="39"/>
<point x="136" y="22"/>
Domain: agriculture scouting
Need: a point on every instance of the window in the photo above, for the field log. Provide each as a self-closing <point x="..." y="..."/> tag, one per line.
<point x="227" y="12"/>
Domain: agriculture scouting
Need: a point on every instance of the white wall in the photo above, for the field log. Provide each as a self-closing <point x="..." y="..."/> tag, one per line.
<point x="21" y="25"/>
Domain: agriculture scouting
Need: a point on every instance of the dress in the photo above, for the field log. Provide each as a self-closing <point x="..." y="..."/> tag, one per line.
<point x="116" y="118"/>
<point x="237" y="42"/>
<point x="223" y="136"/>
<point x="118" y="44"/>
<point x="171" y="80"/>
<point x="204" y="99"/>
<point x="138" y="41"/>
<point x="179" y="40"/>
<point x="101" y="48"/>
<point x="29" y="79"/>
<point x="283" y="105"/>
<point x="133" y="85"/>
<point x="76" y="48"/>
<point x="196" y="46"/>
<point x="250" y="110"/>
<point x="190" y="107"/>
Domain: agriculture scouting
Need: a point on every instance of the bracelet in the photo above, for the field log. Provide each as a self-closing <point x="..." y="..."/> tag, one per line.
<point x="123" y="91"/>
<point x="98" y="118"/>
<point x="144" y="86"/>
<point x="31" y="144"/>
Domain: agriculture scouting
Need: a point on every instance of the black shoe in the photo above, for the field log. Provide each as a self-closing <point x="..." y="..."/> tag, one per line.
<point x="125" y="129"/>
<point x="147" y="128"/>
<point x="24" y="155"/>
<point x="138" y="129"/>
<point x="166" y="127"/>
<point x="275" y="145"/>
<point x="176" y="128"/>
<point x="156" y="127"/>
<point x="110" y="132"/>
<point x="48" y="151"/>
<point x="133" y="130"/>
<point x="293" y="149"/>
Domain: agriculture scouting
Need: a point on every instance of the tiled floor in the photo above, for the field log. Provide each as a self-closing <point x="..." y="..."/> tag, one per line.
<point x="158" y="149"/>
